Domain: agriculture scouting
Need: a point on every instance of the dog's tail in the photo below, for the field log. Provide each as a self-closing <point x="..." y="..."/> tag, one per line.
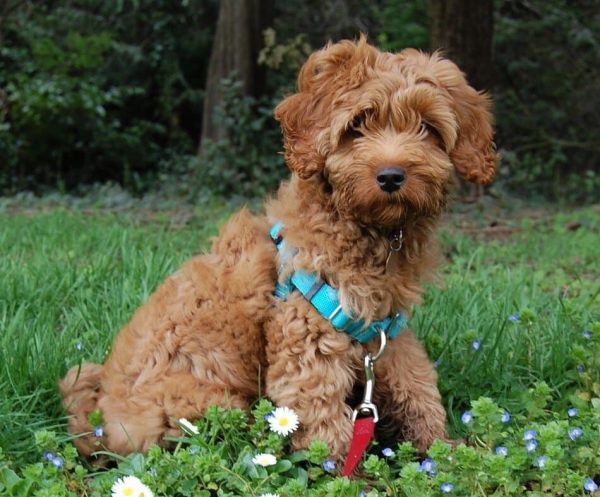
<point x="80" y="389"/>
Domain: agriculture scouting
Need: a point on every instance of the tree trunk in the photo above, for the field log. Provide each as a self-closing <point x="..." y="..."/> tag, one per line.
<point x="463" y="29"/>
<point x="236" y="45"/>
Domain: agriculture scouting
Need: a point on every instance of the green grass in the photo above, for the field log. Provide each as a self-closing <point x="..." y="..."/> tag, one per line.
<point x="69" y="282"/>
<point x="71" y="279"/>
<point x="543" y="272"/>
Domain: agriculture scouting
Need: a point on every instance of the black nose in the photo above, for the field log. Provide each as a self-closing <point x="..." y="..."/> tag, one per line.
<point x="390" y="179"/>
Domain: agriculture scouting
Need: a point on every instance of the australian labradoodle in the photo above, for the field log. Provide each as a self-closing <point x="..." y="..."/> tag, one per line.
<point x="372" y="140"/>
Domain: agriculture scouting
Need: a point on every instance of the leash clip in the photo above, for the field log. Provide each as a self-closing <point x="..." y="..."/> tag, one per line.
<point x="364" y="428"/>
<point x="366" y="407"/>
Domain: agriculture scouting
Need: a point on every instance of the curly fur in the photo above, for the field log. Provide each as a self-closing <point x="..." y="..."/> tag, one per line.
<point x="213" y="334"/>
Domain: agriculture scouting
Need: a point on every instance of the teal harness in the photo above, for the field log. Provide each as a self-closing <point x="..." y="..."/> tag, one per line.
<point x="325" y="299"/>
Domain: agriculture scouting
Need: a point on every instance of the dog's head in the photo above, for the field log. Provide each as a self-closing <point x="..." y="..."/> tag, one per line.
<point x="385" y="130"/>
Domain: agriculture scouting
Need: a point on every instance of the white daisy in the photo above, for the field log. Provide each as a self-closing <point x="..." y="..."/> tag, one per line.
<point x="264" y="459"/>
<point x="130" y="486"/>
<point x="188" y="427"/>
<point x="283" y="421"/>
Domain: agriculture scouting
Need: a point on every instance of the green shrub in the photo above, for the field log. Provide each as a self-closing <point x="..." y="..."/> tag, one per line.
<point x="403" y="25"/>
<point x="546" y="55"/>
<point x="249" y="162"/>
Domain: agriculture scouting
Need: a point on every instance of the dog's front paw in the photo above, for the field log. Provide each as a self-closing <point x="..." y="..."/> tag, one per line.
<point x="452" y="442"/>
<point x="339" y="444"/>
<point x="336" y="434"/>
<point x="423" y="439"/>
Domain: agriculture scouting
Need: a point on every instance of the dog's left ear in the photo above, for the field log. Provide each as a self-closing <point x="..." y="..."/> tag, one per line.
<point x="474" y="153"/>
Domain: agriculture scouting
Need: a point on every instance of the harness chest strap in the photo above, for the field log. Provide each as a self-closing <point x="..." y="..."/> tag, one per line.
<point x="325" y="299"/>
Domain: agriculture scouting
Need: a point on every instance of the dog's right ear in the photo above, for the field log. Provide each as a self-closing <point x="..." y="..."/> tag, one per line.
<point x="296" y="114"/>
<point x="302" y="119"/>
<point x="306" y="116"/>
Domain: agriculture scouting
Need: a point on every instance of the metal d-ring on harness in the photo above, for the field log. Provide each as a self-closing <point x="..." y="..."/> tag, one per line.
<point x="367" y="407"/>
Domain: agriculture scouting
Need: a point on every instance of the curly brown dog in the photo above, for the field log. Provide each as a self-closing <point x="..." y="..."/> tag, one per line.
<point x="372" y="139"/>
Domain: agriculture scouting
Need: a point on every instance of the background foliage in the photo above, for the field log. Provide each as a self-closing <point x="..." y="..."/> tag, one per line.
<point x="100" y="90"/>
<point x="91" y="90"/>
<point x="547" y="57"/>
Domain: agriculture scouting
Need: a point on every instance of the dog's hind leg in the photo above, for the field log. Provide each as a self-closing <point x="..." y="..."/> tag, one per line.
<point x="136" y="422"/>
<point x="193" y="405"/>
<point x="79" y="389"/>
<point x="406" y="389"/>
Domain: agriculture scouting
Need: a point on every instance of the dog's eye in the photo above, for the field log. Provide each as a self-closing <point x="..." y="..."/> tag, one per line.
<point x="426" y="127"/>
<point x="429" y="129"/>
<point x="358" y="122"/>
<point x="355" y="128"/>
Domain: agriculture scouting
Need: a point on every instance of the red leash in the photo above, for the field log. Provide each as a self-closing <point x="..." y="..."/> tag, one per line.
<point x="364" y="428"/>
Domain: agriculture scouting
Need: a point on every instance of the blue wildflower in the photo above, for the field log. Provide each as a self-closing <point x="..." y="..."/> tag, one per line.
<point x="590" y="485"/>
<point x="575" y="433"/>
<point x="437" y="363"/>
<point x="531" y="445"/>
<point x="587" y="334"/>
<point x="505" y="418"/>
<point x="429" y="466"/>
<point x="362" y="494"/>
<point x="79" y="346"/>
<point x="572" y="412"/>
<point x="541" y="461"/>
<point x="387" y="452"/>
<point x="514" y="317"/>
<point x="502" y="451"/>
<point x="54" y="458"/>
<point x="476" y="344"/>
<point x="581" y="368"/>
<point x="466" y="417"/>
<point x="98" y="431"/>
<point x="446" y="487"/>
<point x="152" y="471"/>
<point x="268" y="417"/>
<point x="329" y="465"/>
<point x="529" y="435"/>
